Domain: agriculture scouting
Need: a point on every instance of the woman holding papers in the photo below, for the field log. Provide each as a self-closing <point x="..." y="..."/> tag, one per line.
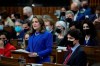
<point x="40" y="42"/>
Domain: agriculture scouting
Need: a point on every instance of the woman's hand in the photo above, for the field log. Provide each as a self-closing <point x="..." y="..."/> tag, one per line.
<point x="33" y="54"/>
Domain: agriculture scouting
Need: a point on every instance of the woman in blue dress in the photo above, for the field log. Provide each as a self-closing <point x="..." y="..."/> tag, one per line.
<point x="40" y="42"/>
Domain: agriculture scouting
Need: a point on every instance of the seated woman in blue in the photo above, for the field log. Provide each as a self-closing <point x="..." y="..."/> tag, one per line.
<point x="40" y="42"/>
<point x="89" y="34"/>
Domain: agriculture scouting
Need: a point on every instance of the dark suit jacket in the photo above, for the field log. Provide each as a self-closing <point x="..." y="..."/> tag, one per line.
<point x="91" y="42"/>
<point x="80" y="16"/>
<point x="78" y="58"/>
<point x="92" y="17"/>
<point x="87" y="11"/>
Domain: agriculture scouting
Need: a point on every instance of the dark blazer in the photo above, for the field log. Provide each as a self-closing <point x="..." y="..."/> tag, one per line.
<point x="80" y="16"/>
<point x="87" y="11"/>
<point x="78" y="58"/>
<point x="42" y="45"/>
<point x="91" y="42"/>
<point x="92" y="17"/>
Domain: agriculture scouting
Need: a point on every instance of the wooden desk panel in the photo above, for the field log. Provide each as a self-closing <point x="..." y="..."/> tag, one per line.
<point x="25" y="56"/>
<point x="53" y="64"/>
<point x="4" y="61"/>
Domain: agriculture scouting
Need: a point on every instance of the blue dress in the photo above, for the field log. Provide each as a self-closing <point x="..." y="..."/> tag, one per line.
<point x="42" y="45"/>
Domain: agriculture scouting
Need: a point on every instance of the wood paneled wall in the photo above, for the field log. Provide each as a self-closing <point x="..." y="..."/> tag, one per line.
<point x="44" y="10"/>
<point x="36" y="10"/>
<point x="94" y="3"/>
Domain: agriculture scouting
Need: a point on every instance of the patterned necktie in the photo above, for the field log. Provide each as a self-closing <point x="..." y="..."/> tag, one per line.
<point x="67" y="58"/>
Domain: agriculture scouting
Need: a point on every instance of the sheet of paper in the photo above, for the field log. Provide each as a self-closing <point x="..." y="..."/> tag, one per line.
<point x="61" y="48"/>
<point x="37" y="65"/>
<point x="21" y="50"/>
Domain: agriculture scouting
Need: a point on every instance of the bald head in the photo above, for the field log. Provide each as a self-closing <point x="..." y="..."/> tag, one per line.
<point x="27" y="11"/>
<point x="75" y="6"/>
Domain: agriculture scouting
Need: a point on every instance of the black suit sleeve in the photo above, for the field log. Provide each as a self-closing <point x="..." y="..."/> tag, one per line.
<point x="81" y="59"/>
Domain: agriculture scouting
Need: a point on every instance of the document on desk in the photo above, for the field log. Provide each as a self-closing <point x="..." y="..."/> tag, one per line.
<point x="32" y="64"/>
<point x="61" y="48"/>
<point x="37" y="65"/>
<point x="21" y="50"/>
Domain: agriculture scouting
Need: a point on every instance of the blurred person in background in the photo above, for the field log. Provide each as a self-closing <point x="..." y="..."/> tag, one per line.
<point x="94" y="17"/>
<point x="89" y="33"/>
<point x="49" y="25"/>
<point x="28" y="14"/>
<point x="60" y="31"/>
<point x="85" y="8"/>
<point x="19" y="29"/>
<point x="6" y="19"/>
<point x="5" y="46"/>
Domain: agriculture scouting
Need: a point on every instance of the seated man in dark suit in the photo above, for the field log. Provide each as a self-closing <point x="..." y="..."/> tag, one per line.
<point x="85" y="8"/>
<point x="75" y="55"/>
<point x="95" y="16"/>
<point x="78" y="15"/>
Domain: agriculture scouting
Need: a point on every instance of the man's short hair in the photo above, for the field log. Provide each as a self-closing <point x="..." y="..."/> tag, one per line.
<point x="69" y="12"/>
<point x="27" y="9"/>
<point x="75" y="33"/>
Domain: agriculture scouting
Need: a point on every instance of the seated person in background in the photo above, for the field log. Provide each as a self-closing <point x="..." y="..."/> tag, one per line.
<point x="62" y="14"/>
<point x="75" y="55"/>
<point x="6" y="19"/>
<point x="60" y="31"/>
<point x="26" y="37"/>
<point x="78" y="15"/>
<point x="40" y="42"/>
<point x="15" y="16"/>
<point x="95" y="16"/>
<point x="27" y="13"/>
<point x="11" y="33"/>
<point x="49" y="25"/>
<point x="5" y="46"/>
<point x="19" y="29"/>
<point x="89" y="33"/>
<point x="2" y="29"/>
<point x="26" y="27"/>
<point x="85" y="8"/>
<point x="69" y="17"/>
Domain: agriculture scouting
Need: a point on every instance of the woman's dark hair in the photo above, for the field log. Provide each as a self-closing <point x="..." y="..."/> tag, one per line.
<point x="91" y="27"/>
<point x="27" y="22"/>
<point x="17" y="15"/>
<point x="4" y="14"/>
<point x="40" y="20"/>
<point x="6" y="35"/>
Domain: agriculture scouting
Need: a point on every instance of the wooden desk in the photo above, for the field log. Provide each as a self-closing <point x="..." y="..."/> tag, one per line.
<point x="53" y="64"/>
<point x="25" y="56"/>
<point x="4" y="61"/>
<point x="93" y="54"/>
<point x="46" y="64"/>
